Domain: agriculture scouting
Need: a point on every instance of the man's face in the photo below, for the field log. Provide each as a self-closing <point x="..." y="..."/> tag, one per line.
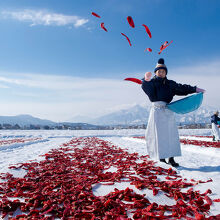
<point x="161" y="73"/>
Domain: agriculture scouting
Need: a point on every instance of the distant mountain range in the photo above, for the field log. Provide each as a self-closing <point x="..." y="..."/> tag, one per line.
<point x="135" y="115"/>
<point x="23" y="120"/>
<point x="27" y="120"/>
<point x="138" y="115"/>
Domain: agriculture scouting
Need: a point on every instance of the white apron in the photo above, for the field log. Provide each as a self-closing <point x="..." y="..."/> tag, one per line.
<point x="162" y="137"/>
<point x="215" y="131"/>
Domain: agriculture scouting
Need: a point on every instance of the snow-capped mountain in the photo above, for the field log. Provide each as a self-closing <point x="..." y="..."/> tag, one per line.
<point x="138" y="115"/>
<point x="27" y="120"/>
<point x="24" y="120"/>
<point x="135" y="115"/>
<point x="202" y="115"/>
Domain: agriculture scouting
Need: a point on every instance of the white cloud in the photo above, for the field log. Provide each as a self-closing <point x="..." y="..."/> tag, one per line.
<point x="198" y="69"/>
<point x="43" y="17"/>
<point x="61" y="97"/>
<point x="204" y="75"/>
<point x="57" y="82"/>
<point x="3" y="86"/>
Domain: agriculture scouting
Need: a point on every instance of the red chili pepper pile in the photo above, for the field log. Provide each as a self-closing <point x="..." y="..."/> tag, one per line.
<point x="18" y="140"/>
<point x="196" y="142"/>
<point x="61" y="186"/>
<point x="201" y="143"/>
<point x="201" y="136"/>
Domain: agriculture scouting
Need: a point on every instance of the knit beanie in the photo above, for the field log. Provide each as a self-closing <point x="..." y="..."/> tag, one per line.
<point x="160" y="65"/>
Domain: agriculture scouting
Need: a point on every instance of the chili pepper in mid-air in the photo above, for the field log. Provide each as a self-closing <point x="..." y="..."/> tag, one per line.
<point x="130" y="21"/>
<point x="127" y="39"/>
<point x="96" y="15"/>
<point x="138" y="81"/>
<point x="148" y="49"/>
<point x="103" y="27"/>
<point x="147" y="30"/>
<point x="164" y="46"/>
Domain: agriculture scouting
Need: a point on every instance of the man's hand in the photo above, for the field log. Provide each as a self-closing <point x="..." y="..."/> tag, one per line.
<point x="147" y="76"/>
<point x="198" y="90"/>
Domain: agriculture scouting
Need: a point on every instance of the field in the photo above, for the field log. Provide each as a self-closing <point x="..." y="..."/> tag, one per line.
<point x="106" y="175"/>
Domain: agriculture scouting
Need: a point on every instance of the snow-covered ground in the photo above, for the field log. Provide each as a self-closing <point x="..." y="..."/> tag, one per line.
<point x="196" y="162"/>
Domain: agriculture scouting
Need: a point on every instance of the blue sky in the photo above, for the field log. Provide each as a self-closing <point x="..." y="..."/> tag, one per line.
<point x="55" y="60"/>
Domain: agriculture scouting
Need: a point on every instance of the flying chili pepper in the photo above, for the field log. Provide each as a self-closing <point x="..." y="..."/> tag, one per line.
<point x="130" y="21"/>
<point x="127" y="39"/>
<point x="103" y="27"/>
<point x="148" y="49"/>
<point x="138" y="81"/>
<point x="96" y="15"/>
<point x="164" y="46"/>
<point x="147" y="30"/>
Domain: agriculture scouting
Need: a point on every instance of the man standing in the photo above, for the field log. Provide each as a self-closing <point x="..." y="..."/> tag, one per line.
<point x="215" y="130"/>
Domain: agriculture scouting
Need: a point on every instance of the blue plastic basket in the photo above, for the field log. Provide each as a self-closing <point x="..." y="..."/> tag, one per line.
<point x="186" y="105"/>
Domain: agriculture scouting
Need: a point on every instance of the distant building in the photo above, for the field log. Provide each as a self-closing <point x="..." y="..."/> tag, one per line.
<point x="16" y="127"/>
<point x="7" y="126"/>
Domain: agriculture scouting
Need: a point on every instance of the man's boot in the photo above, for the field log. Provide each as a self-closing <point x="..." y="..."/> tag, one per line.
<point x="213" y="138"/>
<point x="163" y="160"/>
<point x="172" y="162"/>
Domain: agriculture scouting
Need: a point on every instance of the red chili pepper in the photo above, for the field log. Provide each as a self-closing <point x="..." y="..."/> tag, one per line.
<point x="138" y="81"/>
<point x="130" y="21"/>
<point x="22" y="216"/>
<point x="155" y="191"/>
<point x="147" y="30"/>
<point x="164" y="46"/>
<point x="199" y="201"/>
<point x="151" y="207"/>
<point x="208" y="191"/>
<point x="127" y="39"/>
<point x="208" y="200"/>
<point x="181" y="203"/>
<point x="96" y="15"/>
<point x="107" y="202"/>
<point x="199" y="216"/>
<point x="103" y="27"/>
<point x="148" y="49"/>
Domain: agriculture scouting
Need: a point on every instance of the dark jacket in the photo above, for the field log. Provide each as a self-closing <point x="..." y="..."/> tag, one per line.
<point x="215" y="119"/>
<point x="162" y="89"/>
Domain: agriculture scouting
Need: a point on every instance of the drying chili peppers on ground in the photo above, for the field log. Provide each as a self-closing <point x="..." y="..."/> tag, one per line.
<point x="18" y="140"/>
<point x="201" y="143"/>
<point x="61" y="186"/>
